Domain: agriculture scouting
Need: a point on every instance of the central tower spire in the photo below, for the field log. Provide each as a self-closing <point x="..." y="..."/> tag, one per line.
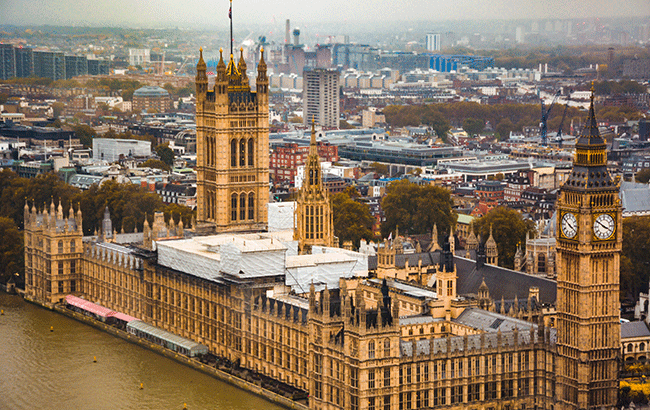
<point x="313" y="223"/>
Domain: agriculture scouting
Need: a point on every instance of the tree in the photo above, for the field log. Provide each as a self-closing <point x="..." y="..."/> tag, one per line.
<point x="344" y="125"/>
<point x="643" y="176"/>
<point x="11" y="250"/>
<point x="166" y="154"/>
<point x="352" y="219"/>
<point x="473" y="126"/>
<point x="379" y="168"/>
<point x="504" y="127"/>
<point x="155" y="163"/>
<point x="57" y="109"/>
<point x="85" y="133"/>
<point x="635" y="257"/>
<point x="509" y="229"/>
<point x="416" y="208"/>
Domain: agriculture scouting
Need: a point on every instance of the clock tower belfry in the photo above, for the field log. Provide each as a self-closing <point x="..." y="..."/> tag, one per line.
<point x="589" y="242"/>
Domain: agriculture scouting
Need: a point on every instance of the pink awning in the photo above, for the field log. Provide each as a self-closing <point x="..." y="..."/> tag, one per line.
<point x="122" y="316"/>
<point x="88" y="306"/>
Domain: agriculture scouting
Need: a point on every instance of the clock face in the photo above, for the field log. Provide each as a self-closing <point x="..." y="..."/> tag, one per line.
<point x="569" y="225"/>
<point x="604" y="226"/>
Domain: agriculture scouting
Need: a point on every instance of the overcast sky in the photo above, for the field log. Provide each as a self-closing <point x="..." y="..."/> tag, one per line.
<point x="202" y="13"/>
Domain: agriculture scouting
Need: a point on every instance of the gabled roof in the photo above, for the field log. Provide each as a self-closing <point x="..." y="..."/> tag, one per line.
<point x="502" y="282"/>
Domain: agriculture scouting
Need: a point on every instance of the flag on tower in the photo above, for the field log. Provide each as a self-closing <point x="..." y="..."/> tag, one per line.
<point x="230" y="12"/>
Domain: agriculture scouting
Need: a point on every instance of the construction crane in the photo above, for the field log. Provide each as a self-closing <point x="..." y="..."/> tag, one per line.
<point x="559" y="129"/>
<point x="545" y="112"/>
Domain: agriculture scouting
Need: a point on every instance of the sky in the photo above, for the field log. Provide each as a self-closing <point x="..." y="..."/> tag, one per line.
<point x="214" y="13"/>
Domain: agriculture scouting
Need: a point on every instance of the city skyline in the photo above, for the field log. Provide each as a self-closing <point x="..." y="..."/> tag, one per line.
<point x="192" y="13"/>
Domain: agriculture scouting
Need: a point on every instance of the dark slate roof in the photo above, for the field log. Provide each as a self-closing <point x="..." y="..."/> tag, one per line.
<point x="502" y="282"/>
<point x="634" y="329"/>
<point x="635" y="198"/>
<point x="491" y="321"/>
<point x="428" y="259"/>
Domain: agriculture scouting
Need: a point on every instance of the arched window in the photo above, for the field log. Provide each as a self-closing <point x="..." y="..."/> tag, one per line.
<point x="233" y="207"/>
<point x="60" y="246"/>
<point x="386" y="347"/>
<point x="242" y="207"/>
<point x="641" y="347"/>
<point x="311" y="177"/>
<point x="371" y="349"/>
<point x="251" y="152"/>
<point x="72" y="246"/>
<point x="251" y="206"/>
<point x="541" y="263"/>
<point x="630" y="348"/>
<point x="242" y="152"/>
<point x="233" y="153"/>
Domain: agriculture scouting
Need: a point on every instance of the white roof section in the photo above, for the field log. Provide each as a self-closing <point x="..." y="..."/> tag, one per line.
<point x="324" y="267"/>
<point x="210" y="257"/>
<point x="255" y="255"/>
<point x="281" y="216"/>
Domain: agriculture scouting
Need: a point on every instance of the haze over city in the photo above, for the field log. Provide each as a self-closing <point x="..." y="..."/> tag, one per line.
<point x="197" y="14"/>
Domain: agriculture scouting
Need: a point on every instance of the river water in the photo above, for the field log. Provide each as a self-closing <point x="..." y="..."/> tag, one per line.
<point x="46" y="370"/>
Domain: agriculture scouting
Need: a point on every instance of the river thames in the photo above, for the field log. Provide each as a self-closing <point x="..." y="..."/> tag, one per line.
<point x="46" y="370"/>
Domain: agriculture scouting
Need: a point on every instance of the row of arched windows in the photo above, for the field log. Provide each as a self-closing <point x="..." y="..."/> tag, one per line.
<point x="313" y="222"/>
<point x="242" y="207"/>
<point x="242" y="152"/>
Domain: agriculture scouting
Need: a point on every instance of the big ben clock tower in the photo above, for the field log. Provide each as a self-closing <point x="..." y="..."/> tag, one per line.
<point x="589" y="242"/>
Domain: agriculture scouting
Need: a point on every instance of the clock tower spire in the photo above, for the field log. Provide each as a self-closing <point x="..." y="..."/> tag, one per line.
<point x="589" y="242"/>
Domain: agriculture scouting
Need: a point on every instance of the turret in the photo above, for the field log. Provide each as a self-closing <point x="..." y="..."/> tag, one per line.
<point x="59" y="211"/>
<point x="452" y="241"/>
<point x="201" y="78"/>
<point x="434" y="239"/>
<point x="221" y="82"/>
<point x="262" y="81"/>
<point x="26" y="218"/>
<point x="491" y="251"/>
<point x="241" y="67"/>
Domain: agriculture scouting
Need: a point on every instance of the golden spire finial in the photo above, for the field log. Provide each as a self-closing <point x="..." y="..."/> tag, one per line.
<point x="262" y="49"/>
<point x="220" y="49"/>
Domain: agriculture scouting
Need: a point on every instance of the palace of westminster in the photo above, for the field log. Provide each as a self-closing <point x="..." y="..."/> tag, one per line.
<point x="394" y="330"/>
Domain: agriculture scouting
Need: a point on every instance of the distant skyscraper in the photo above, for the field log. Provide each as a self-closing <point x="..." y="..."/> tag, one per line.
<point x="519" y="34"/>
<point x="433" y="42"/>
<point x="49" y="64"/>
<point x="24" y="62"/>
<point x="320" y="96"/>
<point x="98" y="67"/>
<point x="7" y="62"/>
<point x="138" y="56"/>
<point x="75" y="66"/>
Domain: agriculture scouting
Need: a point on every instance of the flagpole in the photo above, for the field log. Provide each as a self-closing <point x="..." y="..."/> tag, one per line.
<point x="231" y="38"/>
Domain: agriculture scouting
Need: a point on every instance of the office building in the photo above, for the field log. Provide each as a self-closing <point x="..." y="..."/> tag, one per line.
<point x="49" y="64"/>
<point x="7" y="62"/>
<point x="24" y="62"/>
<point x="139" y="56"/>
<point x="433" y="42"/>
<point x="111" y="149"/>
<point x="75" y="66"/>
<point x="321" y="97"/>
<point x="152" y="99"/>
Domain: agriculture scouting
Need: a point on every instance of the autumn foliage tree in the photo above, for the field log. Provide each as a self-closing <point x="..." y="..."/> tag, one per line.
<point x="635" y="257"/>
<point x="415" y="208"/>
<point x="509" y="228"/>
<point x="352" y="219"/>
